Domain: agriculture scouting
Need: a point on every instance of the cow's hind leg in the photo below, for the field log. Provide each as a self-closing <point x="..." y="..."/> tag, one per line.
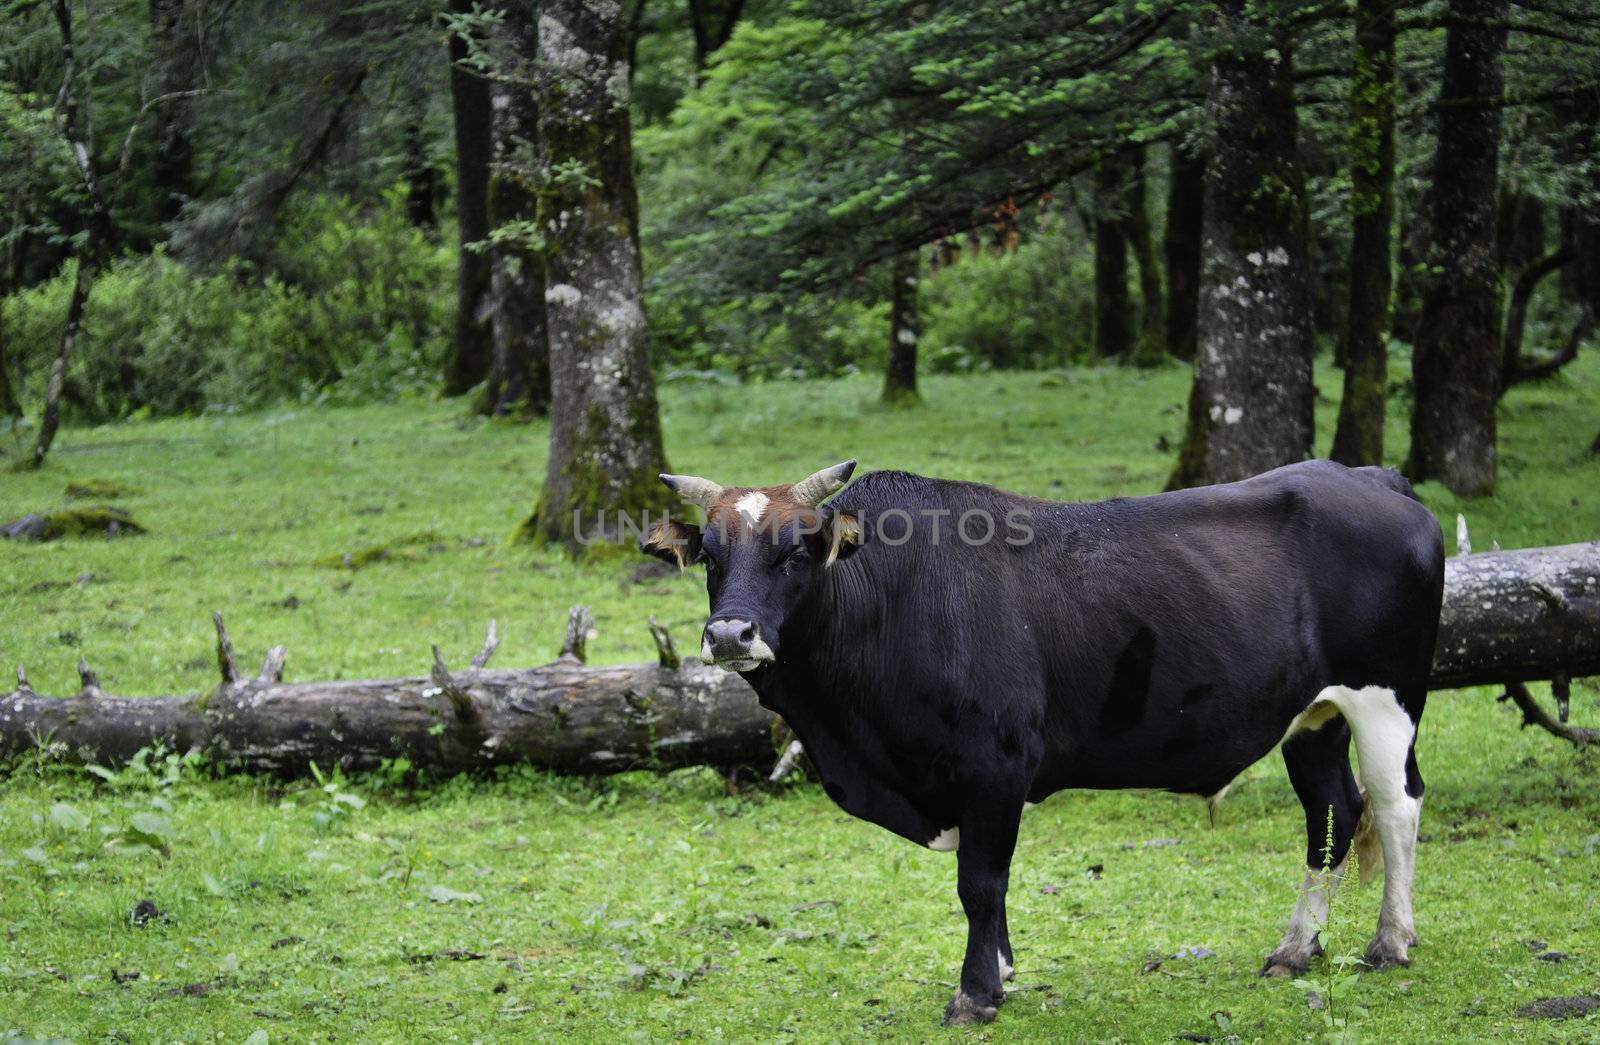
<point x="1319" y="768"/>
<point x="1384" y="724"/>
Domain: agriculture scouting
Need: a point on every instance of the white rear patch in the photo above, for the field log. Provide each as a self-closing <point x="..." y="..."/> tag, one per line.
<point x="1383" y="735"/>
<point x="947" y="841"/>
<point x="752" y="506"/>
<point x="1006" y="971"/>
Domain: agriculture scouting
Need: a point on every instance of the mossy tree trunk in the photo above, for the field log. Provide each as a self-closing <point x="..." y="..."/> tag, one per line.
<point x="605" y="429"/>
<point x="471" y="347"/>
<point x="1457" y="361"/>
<point x="1180" y="246"/>
<point x="1151" y="348"/>
<point x="1358" y="438"/>
<point x="1113" y="308"/>
<point x="1251" y="406"/>
<point x="905" y="328"/>
<point x="519" y="375"/>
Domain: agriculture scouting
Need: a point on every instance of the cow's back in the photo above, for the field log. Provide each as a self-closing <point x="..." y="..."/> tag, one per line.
<point x="1220" y="613"/>
<point x="1164" y="641"/>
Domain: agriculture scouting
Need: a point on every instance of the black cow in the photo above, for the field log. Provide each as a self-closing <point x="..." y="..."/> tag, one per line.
<point x="949" y="653"/>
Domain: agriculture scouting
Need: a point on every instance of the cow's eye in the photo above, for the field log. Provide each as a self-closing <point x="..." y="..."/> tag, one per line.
<point x="707" y="561"/>
<point x="789" y="559"/>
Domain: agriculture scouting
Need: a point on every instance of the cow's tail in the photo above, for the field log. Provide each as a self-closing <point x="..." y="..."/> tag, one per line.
<point x="1389" y="479"/>
<point x="1369" y="853"/>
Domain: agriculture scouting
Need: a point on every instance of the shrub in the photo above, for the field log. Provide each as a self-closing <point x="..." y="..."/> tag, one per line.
<point x="353" y="308"/>
<point x="1033" y="308"/>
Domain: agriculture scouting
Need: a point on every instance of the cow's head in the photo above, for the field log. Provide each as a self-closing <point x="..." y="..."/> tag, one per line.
<point x="763" y="549"/>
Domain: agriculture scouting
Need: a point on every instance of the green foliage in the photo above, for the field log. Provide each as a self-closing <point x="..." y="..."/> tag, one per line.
<point x="356" y="307"/>
<point x="1029" y="309"/>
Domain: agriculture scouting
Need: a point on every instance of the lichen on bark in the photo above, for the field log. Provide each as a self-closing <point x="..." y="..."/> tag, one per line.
<point x="605" y="431"/>
<point x="1251" y="406"/>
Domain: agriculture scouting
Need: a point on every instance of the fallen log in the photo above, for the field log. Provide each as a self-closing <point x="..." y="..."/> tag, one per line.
<point x="1519" y="616"/>
<point x="566" y="716"/>
<point x="1509" y="617"/>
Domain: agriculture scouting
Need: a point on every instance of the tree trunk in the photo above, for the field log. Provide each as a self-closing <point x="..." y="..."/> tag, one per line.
<point x="422" y="179"/>
<point x="1251" y="409"/>
<point x="1508" y="617"/>
<point x="1186" y="190"/>
<point x="73" y="117"/>
<point x="1358" y="438"/>
<point x="1151" y="348"/>
<point x="471" y="349"/>
<point x="10" y="405"/>
<point x="1113" y="309"/>
<point x="605" y="430"/>
<point x="1456" y="366"/>
<point x="1579" y="225"/>
<point x="176" y="65"/>
<point x="905" y="327"/>
<point x="1412" y="245"/>
<point x="712" y="22"/>
<point x="519" y="378"/>
<point x="1519" y="229"/>
<point x="564" y="717"/>
<point x="1513" y="367"/>
<point x="1580" y="280"/>
<point x="1518" y="616"/>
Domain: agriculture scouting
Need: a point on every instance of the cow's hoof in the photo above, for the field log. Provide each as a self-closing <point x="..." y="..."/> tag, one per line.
<point x="965" y="1010"/>
<point x="1287" y="963"/>
<point x="1388" y="949"/>
<point x="1381" y="955"/>
<point x="1285" y="967"/>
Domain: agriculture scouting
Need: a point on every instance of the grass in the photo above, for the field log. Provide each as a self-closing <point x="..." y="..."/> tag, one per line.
<point x="644" y="907"/>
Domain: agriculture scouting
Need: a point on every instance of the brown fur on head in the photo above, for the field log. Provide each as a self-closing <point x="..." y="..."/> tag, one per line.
<point x="743" y="510"/>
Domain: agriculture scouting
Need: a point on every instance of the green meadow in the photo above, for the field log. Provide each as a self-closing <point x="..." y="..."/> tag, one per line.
<point x="649" y="908"/>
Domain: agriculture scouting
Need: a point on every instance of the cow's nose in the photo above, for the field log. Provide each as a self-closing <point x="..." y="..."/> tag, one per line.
<point x="730" y="640"/>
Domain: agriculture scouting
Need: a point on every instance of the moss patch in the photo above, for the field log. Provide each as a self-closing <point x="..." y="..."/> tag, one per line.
<point x="404" y="548"/>
<point x="101" y="490"/>
<point x="73" y="522"/>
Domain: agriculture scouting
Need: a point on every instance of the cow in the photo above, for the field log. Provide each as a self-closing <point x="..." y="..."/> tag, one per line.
<point x="950" y="653"/>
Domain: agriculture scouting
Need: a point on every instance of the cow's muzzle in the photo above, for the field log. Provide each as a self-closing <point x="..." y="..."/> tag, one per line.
<point x="734" y="644"/>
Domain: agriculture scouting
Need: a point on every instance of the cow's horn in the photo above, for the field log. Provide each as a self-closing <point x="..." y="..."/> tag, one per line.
<point x="693" y="489"/>
<point x="811" y="490"/>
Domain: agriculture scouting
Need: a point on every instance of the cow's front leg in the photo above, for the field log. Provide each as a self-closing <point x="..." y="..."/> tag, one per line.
<point x="988" y="837"/>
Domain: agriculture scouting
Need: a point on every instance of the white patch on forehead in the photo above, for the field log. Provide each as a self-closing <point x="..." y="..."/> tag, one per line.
<point x="752" y="506"/>
<point x="947" y="841"/>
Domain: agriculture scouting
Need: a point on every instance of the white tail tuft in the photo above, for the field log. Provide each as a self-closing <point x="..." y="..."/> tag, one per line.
<point x="1369" y="853"/>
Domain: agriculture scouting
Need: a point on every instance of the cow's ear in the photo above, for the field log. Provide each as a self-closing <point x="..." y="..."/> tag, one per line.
<point x="842" y="533"/>
<point x="672" y="541"/>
